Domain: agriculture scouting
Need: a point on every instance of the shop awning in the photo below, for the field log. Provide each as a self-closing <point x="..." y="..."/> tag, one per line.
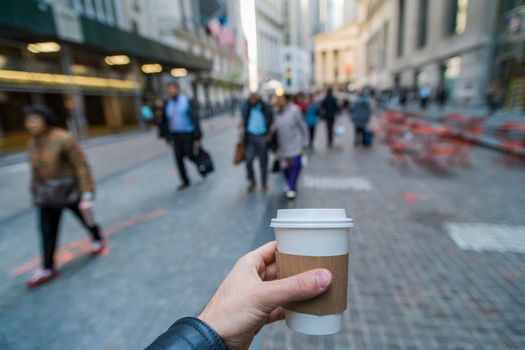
<point x="30" y="19"/>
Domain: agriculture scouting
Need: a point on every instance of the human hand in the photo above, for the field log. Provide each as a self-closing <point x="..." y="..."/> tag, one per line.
<point x="197" y="144"/>
<point x="250" y="296"/>
<point x="86" y="201"/>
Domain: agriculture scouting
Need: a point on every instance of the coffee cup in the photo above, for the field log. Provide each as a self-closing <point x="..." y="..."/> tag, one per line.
<point x="309" y="239"/>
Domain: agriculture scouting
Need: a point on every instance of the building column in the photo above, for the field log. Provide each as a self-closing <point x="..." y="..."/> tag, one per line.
<point x="319" y="68"/>
<point x="137" y="94"/>
<point x="76" y="121"/>
<point x="330" y="66"/>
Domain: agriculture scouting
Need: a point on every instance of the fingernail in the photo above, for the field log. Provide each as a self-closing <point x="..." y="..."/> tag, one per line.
<point x="323" y="278"/>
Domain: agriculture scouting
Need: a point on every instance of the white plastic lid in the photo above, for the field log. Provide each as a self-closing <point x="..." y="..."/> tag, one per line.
<point x="311" y="218"/>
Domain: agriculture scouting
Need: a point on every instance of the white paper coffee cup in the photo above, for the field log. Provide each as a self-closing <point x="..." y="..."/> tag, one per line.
<point x="312" y="232"/>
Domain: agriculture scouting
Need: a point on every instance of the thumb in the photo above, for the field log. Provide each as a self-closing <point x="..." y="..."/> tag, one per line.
<point x="299" y="287"/>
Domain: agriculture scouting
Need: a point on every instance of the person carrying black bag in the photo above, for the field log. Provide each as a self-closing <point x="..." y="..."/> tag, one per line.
<point x="180" y="125"/>
<point x="61" y="179"/>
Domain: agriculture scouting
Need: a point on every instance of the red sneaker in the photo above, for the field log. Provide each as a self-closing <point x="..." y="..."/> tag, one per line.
<point x="40" y="277"/>
<point x="98" y="247"/>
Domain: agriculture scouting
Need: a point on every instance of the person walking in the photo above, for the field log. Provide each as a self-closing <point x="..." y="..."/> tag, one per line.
<point x="425" y="92"/>
<point x="310" y="118"/>
<point x="257" y="119"/>
<point x="180" y="126"/>
<point x="329" y="110"/>
<point x="360" y="113"/>
<point x="441" y="96"/>
<point x="292" y="137"/>
<point x="146" y="114"/>
<point x="61" y="179"/>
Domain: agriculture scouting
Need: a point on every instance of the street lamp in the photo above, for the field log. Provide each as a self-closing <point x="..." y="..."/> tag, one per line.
<point x="151" y="68"/>
<point x="179" y="72"/>
<point x="117" y="60"/>
<point x="44" y="47"/>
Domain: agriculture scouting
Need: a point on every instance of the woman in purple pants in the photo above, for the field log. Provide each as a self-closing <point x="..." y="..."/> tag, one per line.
<point x="292" y="137"/>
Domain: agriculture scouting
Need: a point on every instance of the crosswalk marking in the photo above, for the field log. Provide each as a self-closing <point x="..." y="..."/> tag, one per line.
<point x="488" y="237"/>
<point x="337" y="183"/>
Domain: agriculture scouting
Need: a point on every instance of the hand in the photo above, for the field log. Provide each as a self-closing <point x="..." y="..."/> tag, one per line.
<point x="86" y="201"/>
<point x="250" y="296"/>
<point x="197" y="144"/>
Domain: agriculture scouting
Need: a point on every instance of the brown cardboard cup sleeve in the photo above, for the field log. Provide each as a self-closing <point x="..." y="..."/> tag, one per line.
<point x="332" y="301"/>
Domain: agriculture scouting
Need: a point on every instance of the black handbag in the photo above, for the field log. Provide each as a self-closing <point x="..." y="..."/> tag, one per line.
<point x="203" y="161"/>
<point x="56" y="193"/>
<point x="276" y="166"/>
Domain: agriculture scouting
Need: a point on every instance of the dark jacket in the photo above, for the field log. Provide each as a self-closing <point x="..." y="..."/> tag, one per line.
<point x="164" y="126"/>
<point x="329" y="107"/>
<point x="361" y="112"/>
<point x="266" y="110"/>
<point x="188" y="333"/>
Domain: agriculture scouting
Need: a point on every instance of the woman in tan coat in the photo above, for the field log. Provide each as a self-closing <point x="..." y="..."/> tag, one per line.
<point x="61" y="178"/>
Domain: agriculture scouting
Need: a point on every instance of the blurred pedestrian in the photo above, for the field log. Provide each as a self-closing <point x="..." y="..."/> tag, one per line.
<point x="329" y="110"/>
<point x="292" y="137"/>
<point x="180" y="126"/>
<point x="158" y="113"/>
<point x="310" y="117"/>
<point x="441" y="96"/>
<point x="424" y="96"/>
<point x="146" y="114"/>
<point x="403" y="96"/>
<point x="61" y="179"/>
<point x="300" y="101"/>
<point x="494" y="98"/>
<point x="361" y="111"/>
<point x="257" y="119"/>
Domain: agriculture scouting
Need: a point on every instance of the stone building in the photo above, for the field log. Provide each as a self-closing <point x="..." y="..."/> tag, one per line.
<point x="464" y="46"/>
<point x="336" y="57"/>
<point x="270" y="39"/>
<point x="93" y="62"/>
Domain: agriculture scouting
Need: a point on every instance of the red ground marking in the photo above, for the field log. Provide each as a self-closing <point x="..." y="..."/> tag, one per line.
<point x="75" y="249"/>
<point x="131" y="181"/>
<point x="410" y="197"/>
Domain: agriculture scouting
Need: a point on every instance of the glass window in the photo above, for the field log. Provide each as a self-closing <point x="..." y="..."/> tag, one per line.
<point x="11" y="57"/>
<point x="401" y="28"/>
<point x="422" y="24"/>
<point x="458" y="16"/>
<point x="509" y="5"/>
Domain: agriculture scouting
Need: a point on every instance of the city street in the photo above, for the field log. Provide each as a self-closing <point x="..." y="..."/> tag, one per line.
<point x="436" y="257"/>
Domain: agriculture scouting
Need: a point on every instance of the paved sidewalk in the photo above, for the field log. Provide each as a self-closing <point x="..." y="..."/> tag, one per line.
<point x="437" y="257"/>
<point x="411" y="286"/>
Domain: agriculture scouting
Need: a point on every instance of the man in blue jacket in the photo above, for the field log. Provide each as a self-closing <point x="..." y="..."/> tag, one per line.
<point x="180" y="126"/>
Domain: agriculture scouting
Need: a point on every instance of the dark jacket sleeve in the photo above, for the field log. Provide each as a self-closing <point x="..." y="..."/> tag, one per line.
<point x="268" y="116"/>
<point x="188" y="333"/>
<point x="245" y="112"/>
<point x="195" y="120"/>
<point x="164" y="131"/>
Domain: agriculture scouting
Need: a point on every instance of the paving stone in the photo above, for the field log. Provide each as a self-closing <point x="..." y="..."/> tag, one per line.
<point x="410" y="285"/>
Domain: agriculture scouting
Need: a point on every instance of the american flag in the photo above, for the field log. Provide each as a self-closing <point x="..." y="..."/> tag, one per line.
<point x="215" y="27"/>
<point x="222" y="32"/>
<point x="227" y="38"/>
